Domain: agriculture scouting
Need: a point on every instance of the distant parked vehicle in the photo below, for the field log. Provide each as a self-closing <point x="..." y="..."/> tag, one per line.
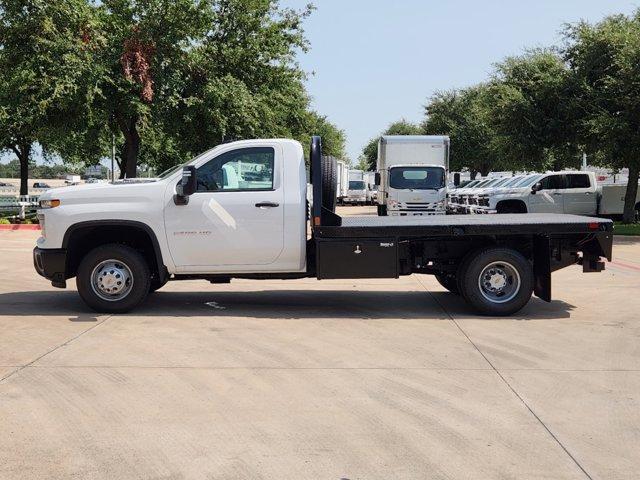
<point x="342" y="185"/>
<point x="357" y="190"/>
<point x="372" y="189"/>
<point x="4" y="184"/>
<point x="72" y="180"/>
<point x="464" y="197"/>
<point x="41" y="185"/>
<point x="573" y="192"/>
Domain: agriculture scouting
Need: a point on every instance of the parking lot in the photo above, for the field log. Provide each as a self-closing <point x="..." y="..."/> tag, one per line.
<point x="305" y="379"/>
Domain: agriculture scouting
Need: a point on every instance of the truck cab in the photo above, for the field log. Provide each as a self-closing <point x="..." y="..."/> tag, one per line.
<point x="412" y="175"/>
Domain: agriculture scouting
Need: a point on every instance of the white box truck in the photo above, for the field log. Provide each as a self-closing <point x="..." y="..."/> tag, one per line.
<point x="372" y="189"/>
<point x="412" y="175"/>
<point x="357" y="190"/>
<point x="342" y="185"/>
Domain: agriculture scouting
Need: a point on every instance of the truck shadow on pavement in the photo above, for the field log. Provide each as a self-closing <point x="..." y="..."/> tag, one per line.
<point x="278" y="304"/>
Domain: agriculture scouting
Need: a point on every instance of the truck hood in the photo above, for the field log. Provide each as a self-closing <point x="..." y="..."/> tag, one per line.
<point x="104" y="192"/>
<point x="508" y="191"/>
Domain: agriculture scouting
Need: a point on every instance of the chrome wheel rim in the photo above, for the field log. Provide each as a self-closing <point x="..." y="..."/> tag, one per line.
<point x="499" y="282"/>
<point x="112" y="280"/>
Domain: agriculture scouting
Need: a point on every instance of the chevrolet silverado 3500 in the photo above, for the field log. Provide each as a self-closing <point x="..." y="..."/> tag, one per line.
<point x="239" y="211"/>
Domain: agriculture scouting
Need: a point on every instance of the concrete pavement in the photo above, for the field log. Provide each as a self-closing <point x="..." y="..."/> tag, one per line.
<point x="308" y="380"/>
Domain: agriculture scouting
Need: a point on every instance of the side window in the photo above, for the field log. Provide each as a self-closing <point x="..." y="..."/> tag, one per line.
<point x="578" y="181"/>
<point x="552" y="182"/>
<point x="244" y="169"/>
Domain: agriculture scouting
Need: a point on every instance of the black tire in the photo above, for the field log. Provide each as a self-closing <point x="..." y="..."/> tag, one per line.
<point x="136" y="264"/>
<point x="329" y="183"/>
<point x="382" y="210"/>
<point x="510" y="266"/>
<point x="448" y="281"/>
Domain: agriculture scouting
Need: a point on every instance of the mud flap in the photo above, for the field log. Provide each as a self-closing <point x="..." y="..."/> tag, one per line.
<point x="542" y="267"/>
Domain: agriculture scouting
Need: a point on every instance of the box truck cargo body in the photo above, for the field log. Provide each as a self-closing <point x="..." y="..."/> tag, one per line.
<point x="412" y="175"/>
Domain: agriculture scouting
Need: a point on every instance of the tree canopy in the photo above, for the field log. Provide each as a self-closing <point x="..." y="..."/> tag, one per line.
<point x="167" y="78"/>
<point x="45" y="65"/>
<point x="464" y="116"/>
<point x="605" y="60"/>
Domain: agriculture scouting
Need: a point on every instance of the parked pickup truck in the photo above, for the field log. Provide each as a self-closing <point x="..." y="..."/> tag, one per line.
<point x="572" y="192"/>
<point x="239" y="211"/>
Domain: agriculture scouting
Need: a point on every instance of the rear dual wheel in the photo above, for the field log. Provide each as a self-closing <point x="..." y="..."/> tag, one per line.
<point x="496" y="281"/>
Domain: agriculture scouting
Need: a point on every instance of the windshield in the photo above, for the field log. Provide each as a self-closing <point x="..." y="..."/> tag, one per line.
<point x="356" y="185"/>
<point x="482" y="183"/>
<point x="501" y="182"/>
<point x="512" y="181"/>
<point x="416" y="178"/>
<point x="469" y="184"/>
<point x="528" y="181"/>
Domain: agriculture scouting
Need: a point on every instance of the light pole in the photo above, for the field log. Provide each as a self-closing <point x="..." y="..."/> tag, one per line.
<point x="113" y="157"/>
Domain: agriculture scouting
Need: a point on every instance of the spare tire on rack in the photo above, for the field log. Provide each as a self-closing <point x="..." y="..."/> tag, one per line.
<point x="328" y="174"/>
<point x="329" y="183"/>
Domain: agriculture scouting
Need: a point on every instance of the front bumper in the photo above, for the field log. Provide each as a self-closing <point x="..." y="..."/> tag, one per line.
<point x="51" y="264"/>
<point x="414" y="213"/>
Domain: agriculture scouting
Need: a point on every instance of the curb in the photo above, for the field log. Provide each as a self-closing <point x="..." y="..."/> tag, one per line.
<point x="28" y="226"/>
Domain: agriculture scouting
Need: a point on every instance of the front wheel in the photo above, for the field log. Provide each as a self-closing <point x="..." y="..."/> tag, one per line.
<point x="113" y="279"/>
<point x="496" y="281"/>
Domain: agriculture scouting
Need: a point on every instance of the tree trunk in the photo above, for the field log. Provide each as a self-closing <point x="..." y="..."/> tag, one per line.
<point x="130" y="149"/>
<point x="629" y="215"/>
<point x="24" y="175"/>
<point x="23" y="152"/>
<point x="472" y="174"/>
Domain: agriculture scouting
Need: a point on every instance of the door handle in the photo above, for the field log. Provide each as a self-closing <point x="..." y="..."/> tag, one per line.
<point x="267" y="205"/>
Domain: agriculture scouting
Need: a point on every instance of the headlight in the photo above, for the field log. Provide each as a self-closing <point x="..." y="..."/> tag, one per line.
<point x="393" y="204"/>
<point x="49" y="203"/>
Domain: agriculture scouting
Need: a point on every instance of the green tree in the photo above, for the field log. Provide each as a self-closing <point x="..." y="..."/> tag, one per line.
<point x="369" y="155"/>
<point x="463" y="115"/>
<point x="605" y="59"/>
<point x="333" y="139"/>
<point x="531" y="111"/>
<point x="45" y="60"/>
<point x="142" y="52"/>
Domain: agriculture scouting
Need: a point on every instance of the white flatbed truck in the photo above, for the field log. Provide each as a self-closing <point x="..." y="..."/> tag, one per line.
<point x="239" y="211"/>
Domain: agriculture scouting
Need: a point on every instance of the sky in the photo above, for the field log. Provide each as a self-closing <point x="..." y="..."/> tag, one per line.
<point x="376" y="61"/>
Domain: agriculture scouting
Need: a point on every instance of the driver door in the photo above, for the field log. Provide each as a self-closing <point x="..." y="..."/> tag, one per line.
<point x="549" y="198"/>
<point x="236" y="216"/>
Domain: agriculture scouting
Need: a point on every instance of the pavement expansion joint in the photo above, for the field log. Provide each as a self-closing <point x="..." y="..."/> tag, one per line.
<point x="509" y="386"/>
<point x="66" y="342"/>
